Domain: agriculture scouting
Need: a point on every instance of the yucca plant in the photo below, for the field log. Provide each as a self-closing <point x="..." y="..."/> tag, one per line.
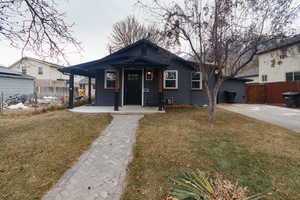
<point x="196" y="185"/>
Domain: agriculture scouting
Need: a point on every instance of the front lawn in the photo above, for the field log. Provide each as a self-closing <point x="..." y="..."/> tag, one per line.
<point x="35" y="150"/>
<point x="258" y="155"/>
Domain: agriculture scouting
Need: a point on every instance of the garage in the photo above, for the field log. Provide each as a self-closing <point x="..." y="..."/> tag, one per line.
<point x="15" y="83"/>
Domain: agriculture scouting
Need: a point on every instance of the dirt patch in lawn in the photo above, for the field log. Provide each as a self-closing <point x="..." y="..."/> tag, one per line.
<point x="36" y="150"/>
<point x="258" y="155"/>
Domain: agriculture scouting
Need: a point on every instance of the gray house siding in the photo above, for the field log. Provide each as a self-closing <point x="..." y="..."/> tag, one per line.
<point x="151" y="90"/>
<point x="105" y="97"/>
<point x="11" y="86"/>
<point x="183" y="95"/>
<point x="237" y="86"/>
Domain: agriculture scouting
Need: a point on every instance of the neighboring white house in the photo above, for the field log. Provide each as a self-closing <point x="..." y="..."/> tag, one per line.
<point x="48" y="80"/>
<point x="280" y="62"/>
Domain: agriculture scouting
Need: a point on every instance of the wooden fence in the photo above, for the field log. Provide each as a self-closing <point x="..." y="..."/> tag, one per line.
<point x="270" y="92"/>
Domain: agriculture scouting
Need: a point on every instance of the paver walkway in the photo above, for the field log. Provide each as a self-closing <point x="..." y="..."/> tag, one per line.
<point x="100" y="172"/>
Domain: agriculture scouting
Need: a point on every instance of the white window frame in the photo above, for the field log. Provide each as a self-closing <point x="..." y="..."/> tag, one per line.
<point x="105" y="79"/>
<point x="200" y="88"/>
<point x="176" y="80"/>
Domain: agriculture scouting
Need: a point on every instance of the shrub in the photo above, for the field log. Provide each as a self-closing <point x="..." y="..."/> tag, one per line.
<point x="196" y="185"/>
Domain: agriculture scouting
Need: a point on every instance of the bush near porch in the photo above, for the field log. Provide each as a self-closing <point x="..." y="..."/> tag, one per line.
<point x="258" y="155"/>
<point x="36" y="149"/>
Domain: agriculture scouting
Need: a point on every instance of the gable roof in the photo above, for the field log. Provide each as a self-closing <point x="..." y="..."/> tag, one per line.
<point x="122" y="57"/>
<point x="284" y="43"/>
<point x="253" y="71"/>
<point x="6" y="72"/>
<point x="56" y="66"/>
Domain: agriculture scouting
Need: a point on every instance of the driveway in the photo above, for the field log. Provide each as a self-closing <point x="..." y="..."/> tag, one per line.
<point x="286" y="117"/>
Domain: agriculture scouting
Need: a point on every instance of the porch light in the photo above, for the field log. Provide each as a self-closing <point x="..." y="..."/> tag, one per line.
<point x="149" y="75"/>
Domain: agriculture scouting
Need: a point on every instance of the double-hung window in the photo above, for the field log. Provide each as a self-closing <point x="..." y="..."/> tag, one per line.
<point x="264" y="78"/>
<point x="40" y="70"/>
<point x="171" y="79"/>
<point x="82" y="86"/>
<point x="196" y="80"/>
<point x="110" y="79"/>
<point x="24" y="70"/>
<point x="292" y="76"/>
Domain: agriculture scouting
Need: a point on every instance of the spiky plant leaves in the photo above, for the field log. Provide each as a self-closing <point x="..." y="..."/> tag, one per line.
<point x="195" y="185"/>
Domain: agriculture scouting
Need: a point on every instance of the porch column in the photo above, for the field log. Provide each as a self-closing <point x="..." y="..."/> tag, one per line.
<point x="117" y="91"/>
<point x="160" y="91"/>
<point x="71" y="91"/>
<point x="90" y="90"/>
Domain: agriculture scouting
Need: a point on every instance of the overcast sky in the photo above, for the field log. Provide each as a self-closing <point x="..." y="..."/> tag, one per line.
<point x="93" y="24"/>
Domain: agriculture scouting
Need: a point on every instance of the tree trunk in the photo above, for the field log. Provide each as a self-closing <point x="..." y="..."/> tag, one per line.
<point x="212" y="102"/>
<point x="212" y="94"/>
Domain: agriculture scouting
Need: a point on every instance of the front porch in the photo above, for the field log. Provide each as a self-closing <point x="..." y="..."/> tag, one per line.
<point x="122" y="110"/>
<point x="130" y="76"/>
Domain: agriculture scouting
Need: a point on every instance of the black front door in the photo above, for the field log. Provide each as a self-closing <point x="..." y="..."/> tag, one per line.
<point x="133" y="87"/>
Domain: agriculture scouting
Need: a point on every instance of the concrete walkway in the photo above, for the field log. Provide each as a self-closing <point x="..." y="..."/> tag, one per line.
<point x="286" y="117"/>
<point x="100" y="172"/>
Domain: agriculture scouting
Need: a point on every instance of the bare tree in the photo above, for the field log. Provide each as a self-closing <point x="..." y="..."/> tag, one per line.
<point x="223" y="36"/>
<point x="35" y="25"/>
<point x="129" y="31"/>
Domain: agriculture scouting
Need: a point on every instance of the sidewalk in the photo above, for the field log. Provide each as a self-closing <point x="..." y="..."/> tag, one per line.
<point x="100" y="172"/>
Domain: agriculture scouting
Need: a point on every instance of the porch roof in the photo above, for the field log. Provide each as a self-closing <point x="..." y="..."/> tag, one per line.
<point x="120" y="59"/>
<point x="89" y="68"/>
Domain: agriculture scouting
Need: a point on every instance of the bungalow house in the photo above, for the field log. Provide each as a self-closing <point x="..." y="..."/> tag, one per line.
<point x="147" y="75"/>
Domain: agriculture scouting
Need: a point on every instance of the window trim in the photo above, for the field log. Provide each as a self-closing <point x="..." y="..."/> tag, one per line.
<point x="200" y="80"/>
<point x="105" y="79"/>
<point x="176" y="80"/>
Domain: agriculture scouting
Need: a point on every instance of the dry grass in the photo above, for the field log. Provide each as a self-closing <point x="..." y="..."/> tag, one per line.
<point x="258" y="155"/>
<point x="35" y="150"/>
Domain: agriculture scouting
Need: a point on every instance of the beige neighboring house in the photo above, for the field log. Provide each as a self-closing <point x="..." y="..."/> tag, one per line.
<point x="48" y="80"/>
<point x="280" y="62"/>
